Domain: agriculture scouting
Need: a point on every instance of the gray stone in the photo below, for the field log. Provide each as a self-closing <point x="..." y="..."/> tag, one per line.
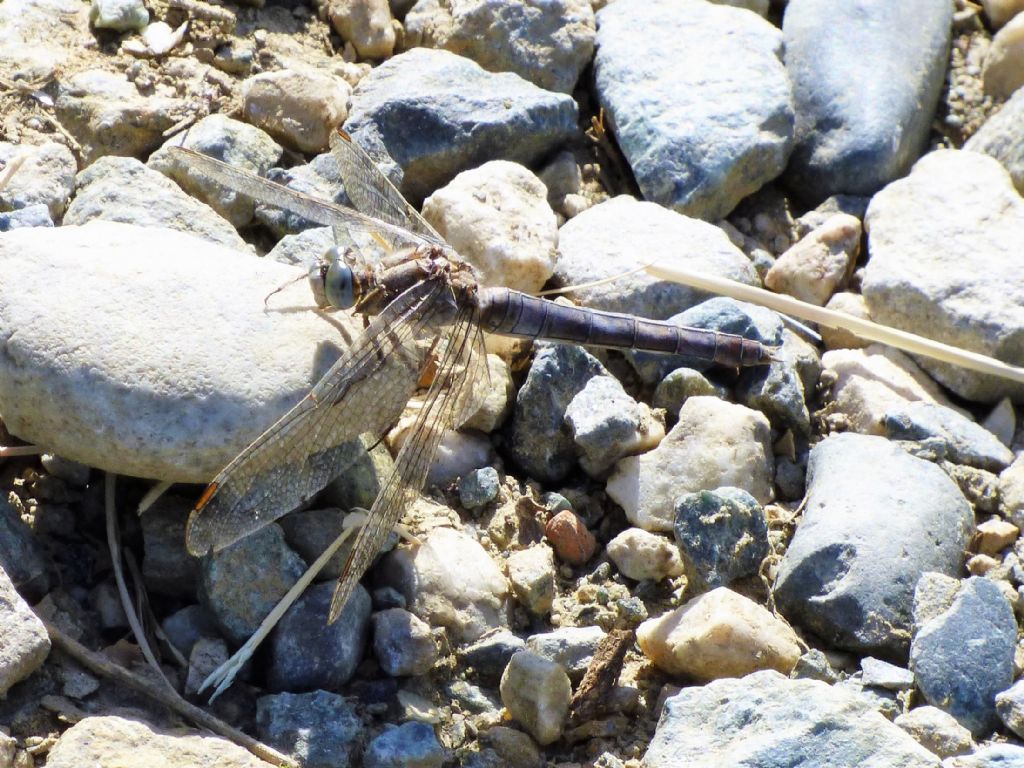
<point x="123" y="189"/>
<point x="32" y="216"/>
<point x="307" y="653"/>
<point x="539" y="439"/>
<point x="1000" y="137"/>
<point x="767" y="719"/>
<point x="714" y="444"/>
<point x="622" y="234"/>
<point x="990" y="756"/>
<point x="465" y="117"/>
<point x="875" y="519"/>
<point x="489" y="655"/>
<point x="479" y="488"/>
<point x="882" y="674"/>
<point x="964" y="441"/>
<point x="947" y="230"/>
<point x="1010" y="707"/>
<point x="963" y="657"/>
<point x="206" y="655"/>
<point x="936" y="731"/>
<point x="241" y="583"/>
<point x="1011" y="492"/>
<point x="46" y="176"/>
<point x="780" y="390"/>
<point x="536" y="693"/>
<point x="410" y="745"/>
<point x="572" y="648"/>
<point x="680" y="385"/>
<point x="24" y="644"/>
<point x="230" y="141"/>
<point x="473" y="698"/>
<point x="402" y="643"/>
<point x="108" y="115"/>
<point x="167" y="566"/>
<point x="119" y="15"/>
<point x="318" y="729"/>
<point x="722" y="536"/>
<point x="547" y="43"/>
<point x="705" y="116"/>
<point x="156" y="370"/>
<point x="607" y="424"/>
<point x="309" y="532"/>
<point x="449" y="581"/>
<point x="866" y="79"/>
<point x="185" y="626"/>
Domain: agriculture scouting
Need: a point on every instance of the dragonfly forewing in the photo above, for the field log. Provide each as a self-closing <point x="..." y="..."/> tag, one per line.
<point x="363" y="393"/>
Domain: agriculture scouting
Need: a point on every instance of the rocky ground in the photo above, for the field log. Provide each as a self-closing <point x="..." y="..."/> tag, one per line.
<point x="620" y="559"/>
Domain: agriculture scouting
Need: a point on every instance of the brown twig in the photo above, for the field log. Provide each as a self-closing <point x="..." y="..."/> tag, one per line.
<point x="601" y="676"/>
<point x="99" y="664"/>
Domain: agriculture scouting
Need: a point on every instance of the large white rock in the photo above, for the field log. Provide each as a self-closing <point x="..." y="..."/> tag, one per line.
<point x="149" y="352"/>
<point x="714" y="444"/>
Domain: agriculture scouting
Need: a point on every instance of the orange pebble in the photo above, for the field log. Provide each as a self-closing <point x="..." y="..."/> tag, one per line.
<point x="569" y="537"/>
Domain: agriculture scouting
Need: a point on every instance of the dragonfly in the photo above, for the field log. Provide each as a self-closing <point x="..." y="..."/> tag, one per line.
<point x="423" y="308"/>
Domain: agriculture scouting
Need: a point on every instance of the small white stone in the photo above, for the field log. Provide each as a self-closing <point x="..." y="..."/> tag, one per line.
<point x="531" y="572"/>
<point x="24" y="644"/>
<point x="298" y="108"/>
<point x="641" y="555"/>
<point x="840" y="338"/>
<point x="498" y="219"/>
<point x="814" y="267"/>
<point x="719" y="634"/>
<point x="119" y="15"/>
<point x="536" y="693"/>
<point x="367" y="24"/>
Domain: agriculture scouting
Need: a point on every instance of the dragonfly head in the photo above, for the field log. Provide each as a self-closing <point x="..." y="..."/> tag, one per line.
<point x="332" y="281"/>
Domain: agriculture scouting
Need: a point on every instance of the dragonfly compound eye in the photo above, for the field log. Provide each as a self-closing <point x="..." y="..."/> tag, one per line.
<point x="339" y="285"/>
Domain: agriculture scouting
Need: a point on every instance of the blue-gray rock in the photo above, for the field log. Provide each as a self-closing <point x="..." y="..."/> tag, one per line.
<point x="403" y="643"/>
<point x="489" y="655"/>
<point x="814" y="665"/>
<point x="963" y="657"/>
<point x="999" y="137"/>
<point x="572" y="648"/>
<point x="866" y="79"/>
<point x="46" y="175"/>
<point x="230" y="141"/>
<point x="882" y="674"/>
<point x="617" y="237"/>
<point x="944" y="264"/>
<point x="241" y="584"/>
<point x="309" y="532"/>
<point x="473" y="698"/>
<point x="123" y="189"/>
<point x="1010" y="707"/>
<point x="990" y="756"/>
<point x="875" y="519"/>
<point x="479" y="488"/>
<point x="321" y="178"/>
<point x="722" y="536"/>
<point x="21" y="555"/>
<point x="607" y="424"/>
<point x="24" y="643"/>
<point x="717" y="314"/>
<point x="32" y="216"/>
<point x="791" y="476"/>
<point x="435" y="114"/>
<point x="307" y="653"/>
<point x="410" y="745"/>
<point x="780" y="390"/>
<point x="318" y="729"/>
<point x="539" y="439"/>
<point x="705" y="115"/>
<point x="965" y="441"/>
<point x="186" y="625"/>
<point x="547" y="43"/>
<point x="167" y="566"/>
<point x="766" y="719"/>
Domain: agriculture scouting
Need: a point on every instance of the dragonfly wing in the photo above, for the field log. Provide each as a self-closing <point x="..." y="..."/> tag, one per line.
<point x="371" y="191"/>
<point x="454" y="396"/>
<point x="312" y="208"/>
<point x="364" y="392"/>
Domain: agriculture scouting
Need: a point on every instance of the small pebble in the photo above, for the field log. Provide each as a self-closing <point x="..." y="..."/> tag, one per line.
<point x="536" y="693"/>
<point x="532" y="575"/>
<point x="402" y="643"/>
<point x="641" y="555"/>
<point x="479" y="488"/>
<point x="572" y="542"/>
<point x="410" y="745"/>
<point x="994" y="535"/>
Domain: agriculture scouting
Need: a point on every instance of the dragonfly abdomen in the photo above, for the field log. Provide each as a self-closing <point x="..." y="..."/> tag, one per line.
<point x="510" y="313"/>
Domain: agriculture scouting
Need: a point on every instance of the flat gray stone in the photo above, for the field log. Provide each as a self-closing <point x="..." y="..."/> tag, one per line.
<point x="945" y="264"/>
<point x="24" y="644"/>
<point x="148" y="352"/>
<point x="965" y="441"/>
<point x="622" y="234"/>
<point x="875" y="519"/>
<point x="704" y="115"/>
<point x="410" y="745"/>
<point x="766" y="719"/>
<point x="963" y="657"/>
<point x="123" y="189"/>
<point x="319" y="729"/>
<point x="464" y="116"/>
<point x="866" y="79"/>
<point x="1000" y="137"/>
